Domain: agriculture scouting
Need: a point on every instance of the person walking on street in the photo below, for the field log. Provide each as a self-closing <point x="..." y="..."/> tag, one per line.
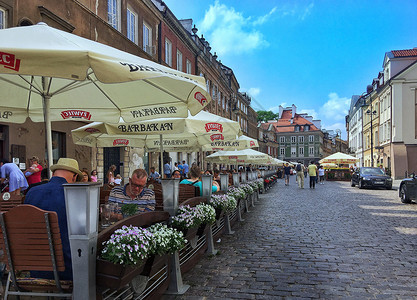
<point x="167" y="170"/>
<point x="287" y="172"/>
<point x="185" y="168"/>
<point x="312" y="172"/>
<point x="300" y="174"/>
<point x="321" y="174"/>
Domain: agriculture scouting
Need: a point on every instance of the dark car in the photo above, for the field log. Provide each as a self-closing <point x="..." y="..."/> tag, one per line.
<point x="371" y="177"/>
<point x="408" y="189"/>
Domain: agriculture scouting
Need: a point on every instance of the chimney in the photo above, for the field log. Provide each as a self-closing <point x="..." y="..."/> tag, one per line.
<point x="293" y="110"/>
<point x="281" y="110"/>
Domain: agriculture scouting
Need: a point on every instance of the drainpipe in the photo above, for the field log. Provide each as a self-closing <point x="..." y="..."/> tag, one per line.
<point x="390" y="127"/>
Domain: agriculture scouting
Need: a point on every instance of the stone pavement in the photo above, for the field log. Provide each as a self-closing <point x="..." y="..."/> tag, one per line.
<point x="334" y="242"/>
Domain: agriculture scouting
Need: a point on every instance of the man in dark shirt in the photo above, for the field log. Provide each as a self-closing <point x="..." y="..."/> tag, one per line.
<point x="287" y="172"/>
<point x="51" y="197"/>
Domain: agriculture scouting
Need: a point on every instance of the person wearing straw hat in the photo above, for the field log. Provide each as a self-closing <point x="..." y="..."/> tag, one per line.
<point x="51" y="197"/>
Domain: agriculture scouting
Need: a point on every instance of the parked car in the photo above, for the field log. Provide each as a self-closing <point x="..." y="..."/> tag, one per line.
<point x="408" y="189"/>
<point x="371" y="177"/>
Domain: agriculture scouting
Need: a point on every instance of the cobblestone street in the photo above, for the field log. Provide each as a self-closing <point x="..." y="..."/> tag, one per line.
<point x="334" y="242"/>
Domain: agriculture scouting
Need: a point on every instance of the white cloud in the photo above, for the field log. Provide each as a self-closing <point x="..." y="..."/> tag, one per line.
<point x="310" y="112"/>
<point x="263" y="19"/>
<point x="253" y="92"/>
<point x="336" y="108"/>
<point x="228" y="30"/>
<point x="307" y="11"/>
<point x="275" y="109"/>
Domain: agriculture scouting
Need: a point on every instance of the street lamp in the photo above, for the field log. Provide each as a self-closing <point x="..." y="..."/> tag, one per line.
<point x="371" y="113"/>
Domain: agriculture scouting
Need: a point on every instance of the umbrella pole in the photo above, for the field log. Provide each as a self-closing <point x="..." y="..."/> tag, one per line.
<point x="48" y="127"/>
<point x="161" y="155"/>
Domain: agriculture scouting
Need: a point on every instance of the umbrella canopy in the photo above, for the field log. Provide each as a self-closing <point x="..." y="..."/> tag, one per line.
<point x="51" y="75"/>
<point x="329" y="165"/>
<point x="178" y="134"/>
<point x="339" y="158"/>
<point x="241" y="156"/>
<point x="241" y="143"/>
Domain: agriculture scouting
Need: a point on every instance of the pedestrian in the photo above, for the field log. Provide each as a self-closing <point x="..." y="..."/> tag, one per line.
<point x="185" y="168"/>
<point x="287" y="172"/>
<point x="181" y="168"/>
<point x="305" y="171"/>
<point x="155" y="175"/>
<point x="167" y="170"/>
<point x="86" y="176"/>
<point x="50" y="196"/>
<point x="312" y="172"/>
<point x="300" y="174"/>
<point x="16" y="179"/>
<point x="321" y="174"/>
<point x="110" y="174"/>
<point x="175" y="167"/>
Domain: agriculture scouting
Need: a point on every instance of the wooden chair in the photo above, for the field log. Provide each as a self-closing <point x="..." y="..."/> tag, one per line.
<point x="14" y="200"/>
<point x="32" y="242"/>
<point x="187" y="191"/>
<point x="104" y="195"/>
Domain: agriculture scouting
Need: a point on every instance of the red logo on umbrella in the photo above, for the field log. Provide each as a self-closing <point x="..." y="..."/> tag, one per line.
<point x="215" y="137"/>
<point x="200" y="98"/>
<point x="75" y="114"/>
<point x="9" y="61"/>
<point x="120" y="142"/>
<point x="232" y="157"/>
<point x="214" y="127"/>
<point x="252" y="143"/>
<point x="91" y="130"/>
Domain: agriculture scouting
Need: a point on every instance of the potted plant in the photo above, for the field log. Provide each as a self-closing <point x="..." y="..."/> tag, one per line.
<point x="129" y="209"/>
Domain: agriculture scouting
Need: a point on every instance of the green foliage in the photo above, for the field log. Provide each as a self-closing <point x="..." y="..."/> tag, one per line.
<point x="265" y="116"/>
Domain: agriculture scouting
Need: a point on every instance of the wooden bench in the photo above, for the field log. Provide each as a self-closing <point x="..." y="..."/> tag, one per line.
<point x="31" y="240"/>
<point x="14" y="200"/>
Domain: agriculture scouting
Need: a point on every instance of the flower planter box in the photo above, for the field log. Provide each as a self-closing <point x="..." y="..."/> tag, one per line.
<point x="115" y="276"/>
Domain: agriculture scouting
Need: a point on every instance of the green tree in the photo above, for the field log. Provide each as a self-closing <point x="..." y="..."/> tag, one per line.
<point x="264" y="115"/>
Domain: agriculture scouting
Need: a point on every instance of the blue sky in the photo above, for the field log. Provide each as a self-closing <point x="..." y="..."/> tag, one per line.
<point x="314" y="54"/>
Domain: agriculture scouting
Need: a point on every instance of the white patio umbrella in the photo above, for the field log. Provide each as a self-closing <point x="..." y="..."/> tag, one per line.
<point x="51" y="75"/>
<point x="169" y="134"/>
<point x="339" y="158"/>
<point x="243" y="156"/>
<point x="240" y="143"/>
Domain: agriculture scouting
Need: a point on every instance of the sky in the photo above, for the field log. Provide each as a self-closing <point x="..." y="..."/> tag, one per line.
<point x="313" y="54"/>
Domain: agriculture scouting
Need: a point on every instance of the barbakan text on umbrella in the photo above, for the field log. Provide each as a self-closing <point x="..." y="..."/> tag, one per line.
<point x="154" y="127"/>
<point x="135" y="68"/>
<point x="162" y="110"/>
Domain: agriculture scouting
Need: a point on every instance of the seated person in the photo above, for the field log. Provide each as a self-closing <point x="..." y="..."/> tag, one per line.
<point x="134" y="192"/>
<point x="176" y="174"/>
<point x="194" y="179"/>
<point x="50" y="196"/>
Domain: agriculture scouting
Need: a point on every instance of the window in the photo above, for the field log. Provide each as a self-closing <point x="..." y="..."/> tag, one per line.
<point x="293" y="139"/>
<point x="293" y="151"/>
<point x="168" y="52"/>
<point x="132" y="20"/>
<point x="306" y="127"/>
<point x="311" y="138"/>
<point x="282" y="151"/>
<point x="58" y="145"/>
<point x="311" y="150"/>
<point x="300" y="139"/>
<point x="147" y="39"/>
<point x="300" y="151"/>
<point x="113" y="13"/>
<point x="188" y="66"/>
<point x="282" y="139"/>
<point x="179" y="60"/>
<point x="2" y="18"/>
<point x="297" y="128"/>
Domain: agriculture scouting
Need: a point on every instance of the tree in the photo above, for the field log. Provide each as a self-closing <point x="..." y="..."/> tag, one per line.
<point x="264" y="115"/>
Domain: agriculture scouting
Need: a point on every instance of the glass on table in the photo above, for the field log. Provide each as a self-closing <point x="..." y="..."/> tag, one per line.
<point x="105" y="212"/>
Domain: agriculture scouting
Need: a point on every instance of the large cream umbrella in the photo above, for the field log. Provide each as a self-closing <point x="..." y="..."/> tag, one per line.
<point x="243" y="156"/>
<point x="240" y="143"/>
<point x="339" y="158"/>
<point x="51" y="75"/>
<point x="164" y="134"/>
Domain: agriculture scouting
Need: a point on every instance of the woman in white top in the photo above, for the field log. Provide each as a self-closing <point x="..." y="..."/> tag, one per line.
<point x="321" y="175"/>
